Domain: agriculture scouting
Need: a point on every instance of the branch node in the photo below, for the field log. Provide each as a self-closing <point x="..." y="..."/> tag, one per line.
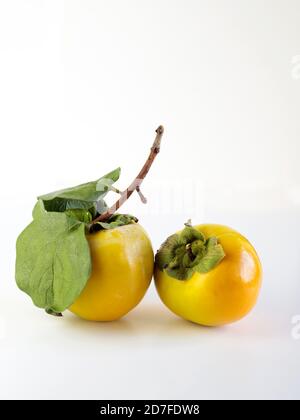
<point x="157" y="142"/>
<point x="141" y="195"/>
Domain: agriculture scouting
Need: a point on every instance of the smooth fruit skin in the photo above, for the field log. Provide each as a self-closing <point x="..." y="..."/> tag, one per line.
<point x="122" y="261"/>
<point x="224" y="295"/>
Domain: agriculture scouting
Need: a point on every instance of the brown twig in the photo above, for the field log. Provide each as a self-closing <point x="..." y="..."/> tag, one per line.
<point x="135" y="186"/>
<point x="141" y="195"/>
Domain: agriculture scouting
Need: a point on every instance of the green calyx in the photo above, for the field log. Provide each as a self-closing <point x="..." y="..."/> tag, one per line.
<point x="182" y="255"/>
<point x="115" y="221"/>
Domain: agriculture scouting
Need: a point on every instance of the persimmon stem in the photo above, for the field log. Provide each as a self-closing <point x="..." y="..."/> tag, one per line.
<point x="136" y="184"/>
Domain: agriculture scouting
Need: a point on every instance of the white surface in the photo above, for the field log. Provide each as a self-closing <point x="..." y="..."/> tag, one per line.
<point x="153" y="354"/>
<point x="83" y="86"/>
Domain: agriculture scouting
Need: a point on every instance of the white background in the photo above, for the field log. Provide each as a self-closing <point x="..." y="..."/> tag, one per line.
<point x="83" y="86"/>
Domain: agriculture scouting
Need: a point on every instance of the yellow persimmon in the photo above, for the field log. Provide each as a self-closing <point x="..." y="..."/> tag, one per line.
<point x="209" y="274"/>
<point x="122" y="269"/>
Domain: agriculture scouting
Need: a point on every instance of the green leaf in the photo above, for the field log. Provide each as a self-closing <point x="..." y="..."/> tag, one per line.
<point x="81" y="215"/>
<point x="62" y="204"/>
<point x="39" y="210"/>
<point x="105" y="183"/>
<point x="53" y="260"/>
<point x="184" y="254"/>
<point x="53" y="313"/>
<point x="117" y="220"/>
<point x="82" y="196"/>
